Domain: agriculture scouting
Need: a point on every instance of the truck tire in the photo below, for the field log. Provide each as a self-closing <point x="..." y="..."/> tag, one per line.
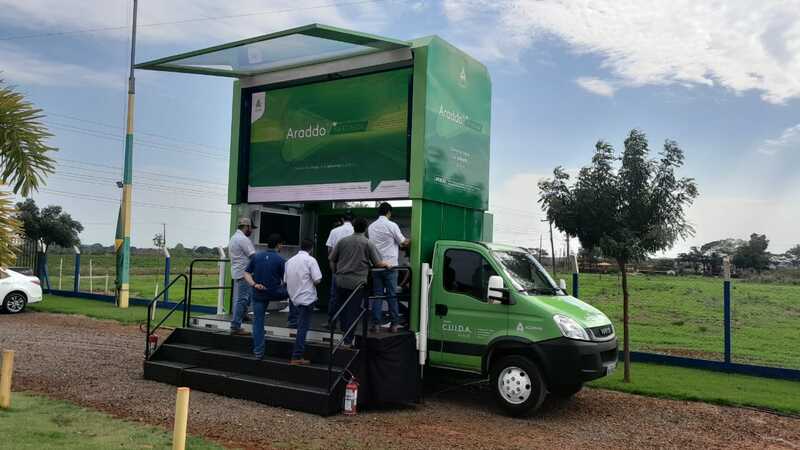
<point x="518" y="385"/>
<point x="565" y="391"/>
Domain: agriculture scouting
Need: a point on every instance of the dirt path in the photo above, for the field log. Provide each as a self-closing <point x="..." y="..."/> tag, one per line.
<point x="99" y="364"/>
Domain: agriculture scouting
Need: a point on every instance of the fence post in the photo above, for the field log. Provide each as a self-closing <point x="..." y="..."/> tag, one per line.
<point x="60" y="270"/>
<point x="575" y="281"/>
<point x="105" y="291"/>
<point x="166" y="273"/>
<point x="221" y="292"/>
<point x="77" y="279"/>
<point x="91" y="277"/>
<point x="726" y="293"/>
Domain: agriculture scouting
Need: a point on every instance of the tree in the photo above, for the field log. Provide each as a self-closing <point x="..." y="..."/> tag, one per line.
<point x="628" y="210"/>
<point x="24" y="159"/>
<point x="794" y="252"/>
<point x="51" y="225"/>
<point x="753" y="253"/>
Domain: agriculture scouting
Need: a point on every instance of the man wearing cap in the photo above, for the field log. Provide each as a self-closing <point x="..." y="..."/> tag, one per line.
<point x="240" y="249"/>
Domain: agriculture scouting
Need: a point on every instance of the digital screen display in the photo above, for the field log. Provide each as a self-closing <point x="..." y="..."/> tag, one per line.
<point x="344" y="139"/>
<point x="285" y="225"/>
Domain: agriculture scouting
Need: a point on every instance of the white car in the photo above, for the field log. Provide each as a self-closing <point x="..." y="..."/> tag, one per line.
<point x="17" y="290"/>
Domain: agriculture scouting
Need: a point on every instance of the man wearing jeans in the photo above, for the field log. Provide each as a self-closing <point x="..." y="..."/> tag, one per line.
<point x="302" y="275"/>
<point x="388" y="239"/>
<point x="264" y="274"/>
<point x="350" y="261"/>
<point x="240" y="250"/>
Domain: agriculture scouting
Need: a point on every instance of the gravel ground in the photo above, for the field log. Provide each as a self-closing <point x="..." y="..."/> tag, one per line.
<point x="99" y="364"/>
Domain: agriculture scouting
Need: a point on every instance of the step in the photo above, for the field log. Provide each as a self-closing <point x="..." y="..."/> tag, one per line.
<point x="246" y="364"/>
<point x="275" y="347"/>
<point x="249" y="387"/>
<point x="165" y="371"/>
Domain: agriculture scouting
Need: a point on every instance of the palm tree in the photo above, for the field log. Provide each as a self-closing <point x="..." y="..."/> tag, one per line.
<point x="24" y="160"/>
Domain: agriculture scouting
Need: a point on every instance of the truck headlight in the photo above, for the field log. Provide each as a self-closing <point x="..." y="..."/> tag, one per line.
<point x="570" y="328"/>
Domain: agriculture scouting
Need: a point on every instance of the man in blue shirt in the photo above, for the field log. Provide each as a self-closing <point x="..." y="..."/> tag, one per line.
<point x="264" y="274"/>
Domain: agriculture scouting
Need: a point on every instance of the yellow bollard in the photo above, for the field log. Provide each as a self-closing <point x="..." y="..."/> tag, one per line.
<point x="5" y="378"/>
<point x="181" y="417"/>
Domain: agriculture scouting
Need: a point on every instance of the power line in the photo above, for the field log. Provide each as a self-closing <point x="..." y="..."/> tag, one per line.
<point x="139" y="142"/>
<point x="179" y="22"/>
<point x="122" y="128"/>
<point x="100" y="198"/>
<point x="138" y="172"/>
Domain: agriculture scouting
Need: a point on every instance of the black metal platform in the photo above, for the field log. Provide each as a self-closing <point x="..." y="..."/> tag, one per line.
<point x="223" y="364"/>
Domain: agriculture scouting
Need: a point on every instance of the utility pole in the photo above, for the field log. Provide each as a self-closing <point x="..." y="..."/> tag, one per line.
<point x="164" y="234"/>
<point x="566" y="260"/>
<point x="552" y="249"/>
<point x="124" y="248"/>
<point x="540" y="247"/>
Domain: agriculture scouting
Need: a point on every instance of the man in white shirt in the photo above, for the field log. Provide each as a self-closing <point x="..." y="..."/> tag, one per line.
<point x="240" y="249"/>
<point x="388" y="238"/>
<point x="302" y="274"/>
<point x="342" y="231"/>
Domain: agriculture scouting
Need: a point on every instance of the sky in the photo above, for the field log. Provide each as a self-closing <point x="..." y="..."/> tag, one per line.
<point x="722" y="78"/>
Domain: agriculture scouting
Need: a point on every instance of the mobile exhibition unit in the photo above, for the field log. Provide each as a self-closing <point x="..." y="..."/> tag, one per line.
<point x="327" y="120"/>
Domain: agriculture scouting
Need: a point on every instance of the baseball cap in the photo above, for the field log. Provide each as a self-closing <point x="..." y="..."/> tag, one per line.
<point x="246" y="221"/>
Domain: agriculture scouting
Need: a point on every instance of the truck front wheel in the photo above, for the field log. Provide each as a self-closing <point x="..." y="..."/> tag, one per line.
<point x="518" y="385"/>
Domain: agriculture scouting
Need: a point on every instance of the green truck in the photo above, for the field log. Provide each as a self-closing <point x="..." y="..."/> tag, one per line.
<point x="324" y="120"/>
<point x="494" y="310"/>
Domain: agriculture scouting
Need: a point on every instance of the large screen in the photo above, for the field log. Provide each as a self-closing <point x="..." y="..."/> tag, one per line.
<point x="344" y="139"/>
<point x="287" y="226"/>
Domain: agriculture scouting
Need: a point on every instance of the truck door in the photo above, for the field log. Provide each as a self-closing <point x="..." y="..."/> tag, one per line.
<point x="462" y="320"/>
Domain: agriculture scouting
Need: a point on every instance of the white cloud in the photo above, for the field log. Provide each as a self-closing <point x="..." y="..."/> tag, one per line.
<point x="17" y="66"/>
<point x="741" y="45"/>
<point x="788" y="140"/>
<point x="596" y="86"/>
<point x="246" y="18"/>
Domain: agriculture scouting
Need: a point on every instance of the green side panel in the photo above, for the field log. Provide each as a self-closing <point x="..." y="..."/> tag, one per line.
<point x="234" y="187"/>
<point x="433" y="221"/>
<point x="417" y="151"/>
<point x="488" y="227"/>
<point x="457" y="125"/>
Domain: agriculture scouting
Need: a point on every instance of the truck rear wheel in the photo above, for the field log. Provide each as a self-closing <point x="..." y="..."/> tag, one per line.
<point x="518" y="385"/>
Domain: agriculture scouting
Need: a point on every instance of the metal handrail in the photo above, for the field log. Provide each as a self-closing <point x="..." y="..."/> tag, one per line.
<point x="362" y="316"/>
<point x="152" y="305"/>
<point x="186" y="317"/>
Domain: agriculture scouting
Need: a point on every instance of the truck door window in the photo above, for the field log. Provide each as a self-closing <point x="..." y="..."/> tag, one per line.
<point x="466" y="272"/>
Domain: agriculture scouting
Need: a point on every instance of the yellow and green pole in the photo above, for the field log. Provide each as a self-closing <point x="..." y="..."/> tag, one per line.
<point x="122" y="243"/>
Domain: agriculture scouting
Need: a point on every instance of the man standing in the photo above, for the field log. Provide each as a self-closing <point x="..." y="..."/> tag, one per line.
<point x="342" y="231"/>
<point x="240" y="250"/>
<point x="264" y="274"/>
<point x="350" y="261"/>
<point x="302" y="276"/>
<point x="388" y="239"/>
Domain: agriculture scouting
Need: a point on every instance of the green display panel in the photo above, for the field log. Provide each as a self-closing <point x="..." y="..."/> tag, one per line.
<point x="336" y="140"/>
<point x="457" y="122"/>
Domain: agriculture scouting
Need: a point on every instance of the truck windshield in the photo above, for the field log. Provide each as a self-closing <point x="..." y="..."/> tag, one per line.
<point x="526" y="273"/>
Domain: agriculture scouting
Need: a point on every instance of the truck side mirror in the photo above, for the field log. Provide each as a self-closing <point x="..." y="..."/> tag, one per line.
<point x="562" y="285"/>
<point x="496" y="291"/>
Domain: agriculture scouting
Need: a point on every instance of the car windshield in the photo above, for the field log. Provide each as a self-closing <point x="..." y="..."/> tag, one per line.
<point x="526" y="273"/>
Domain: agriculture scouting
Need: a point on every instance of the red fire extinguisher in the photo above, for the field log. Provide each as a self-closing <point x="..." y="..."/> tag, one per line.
<point x="351" y="397"/>
<point x="152" y="343"/>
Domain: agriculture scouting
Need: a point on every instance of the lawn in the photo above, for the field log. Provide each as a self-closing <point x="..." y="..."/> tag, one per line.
<point x="36" y="423"/>
<point x="103" y="310"/>
<point x="684" y="316"/>
<point x="711" y="387"/>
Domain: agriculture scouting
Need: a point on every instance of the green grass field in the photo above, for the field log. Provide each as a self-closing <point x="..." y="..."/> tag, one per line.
<point x="37" y="423"/>
<point x="679" y="383"/>
<point x="684" y="316"/>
